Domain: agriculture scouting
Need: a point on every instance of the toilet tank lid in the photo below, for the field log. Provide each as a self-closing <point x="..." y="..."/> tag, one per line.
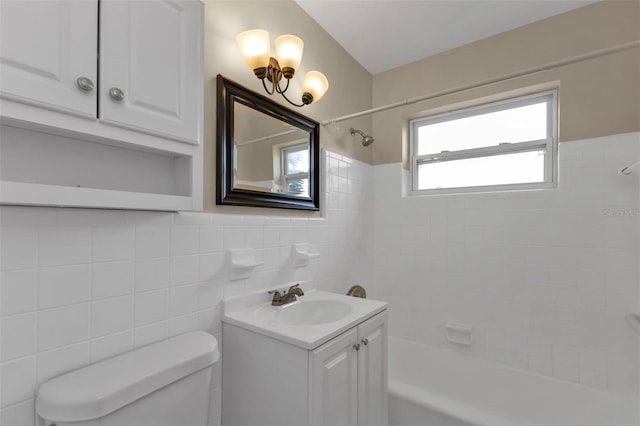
<point x="101" y="388"/>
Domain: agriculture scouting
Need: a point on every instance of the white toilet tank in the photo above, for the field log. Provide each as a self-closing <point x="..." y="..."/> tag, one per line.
<point x="164" y="384"/>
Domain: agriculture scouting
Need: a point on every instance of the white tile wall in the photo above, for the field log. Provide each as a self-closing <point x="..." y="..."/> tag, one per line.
<point x="111" y="279"/>
<point x="19" y="414"/>
<point x="63" y="326"/>
<point x="79" y="286"/>
<point x="151" y="274"/>
<point x="545" y="277"/>
<point x="151" y="241"/>
<point x="18" y="291"/>
<point x="18" y="380"/>
<point x="18" y="333"/>
<point x="113" y="243"/>
<point x="63" y="285"/>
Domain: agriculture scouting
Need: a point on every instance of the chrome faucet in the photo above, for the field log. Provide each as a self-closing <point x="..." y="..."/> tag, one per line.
<point x="281" y="298"/>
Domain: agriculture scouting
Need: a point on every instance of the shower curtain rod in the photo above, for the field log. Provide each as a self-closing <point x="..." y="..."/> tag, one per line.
<point x="533" y="70"/>
<point x="266" y="138"/>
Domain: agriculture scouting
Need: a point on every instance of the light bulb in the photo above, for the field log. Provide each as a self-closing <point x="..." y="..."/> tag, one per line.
<point x="315" y="84"/>
<point x="254" y="45"/>
<point x="289" y="53"/>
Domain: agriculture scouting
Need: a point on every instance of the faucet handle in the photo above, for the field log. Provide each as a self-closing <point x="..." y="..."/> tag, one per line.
<point x="281" y="292"/>
<point x="278" y="291"/>
<point x="296" y="289"/>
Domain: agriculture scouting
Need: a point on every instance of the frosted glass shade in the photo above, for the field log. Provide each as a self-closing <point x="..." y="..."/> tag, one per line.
<point x="316" y="84"/>
<point x="254" y="45"/>
<point x="289" y="51"/>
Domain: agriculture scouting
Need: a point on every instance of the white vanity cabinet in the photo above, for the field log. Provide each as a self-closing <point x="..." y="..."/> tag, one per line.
<point x="341" y="382"/>
<point x="348" y="381"/>
<point x="101" y="103"/>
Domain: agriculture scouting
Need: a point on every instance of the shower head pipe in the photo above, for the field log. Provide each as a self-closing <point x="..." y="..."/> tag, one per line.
<point x="366" y="139"/>
<point x="625" y="170"/>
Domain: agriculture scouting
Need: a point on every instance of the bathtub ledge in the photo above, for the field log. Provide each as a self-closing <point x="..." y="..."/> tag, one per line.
<point x="446" y="406"/>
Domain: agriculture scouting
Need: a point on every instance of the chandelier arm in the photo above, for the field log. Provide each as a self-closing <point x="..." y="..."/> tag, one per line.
<point x="281" y="91"/>
<point x="292" y="103"/>
<point x="270" y="92"/>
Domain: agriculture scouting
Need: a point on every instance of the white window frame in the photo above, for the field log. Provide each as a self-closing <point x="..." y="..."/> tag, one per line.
<point x="549" y="145"/>
<point x="284" y="152"/>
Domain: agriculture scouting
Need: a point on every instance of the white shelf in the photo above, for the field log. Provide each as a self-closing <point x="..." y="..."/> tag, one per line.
<point x="48" y="169"/>
<point x="242" y="263"/>
<point x="301" y="255"/>
<point x="18" y="193"/>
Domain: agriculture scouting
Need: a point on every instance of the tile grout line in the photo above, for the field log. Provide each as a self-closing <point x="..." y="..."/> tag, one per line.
<point x="133" y="288"/>
<point x="37" y="316"/>
<point x="91" y="252"/>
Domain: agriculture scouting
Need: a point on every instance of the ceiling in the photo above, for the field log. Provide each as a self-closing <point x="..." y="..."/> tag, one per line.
<point x="384" y="34"/>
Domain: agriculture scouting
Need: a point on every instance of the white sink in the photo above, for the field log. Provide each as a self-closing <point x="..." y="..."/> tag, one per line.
<point x="308" y="322"/>
<point x="312" y="312"/>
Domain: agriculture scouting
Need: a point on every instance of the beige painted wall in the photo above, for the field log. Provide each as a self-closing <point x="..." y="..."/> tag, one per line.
<point x="349" y="83"/>
<point x="598" y="97"/>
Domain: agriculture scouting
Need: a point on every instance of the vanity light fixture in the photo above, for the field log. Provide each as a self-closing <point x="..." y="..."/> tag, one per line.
<point x="255" y="44"/>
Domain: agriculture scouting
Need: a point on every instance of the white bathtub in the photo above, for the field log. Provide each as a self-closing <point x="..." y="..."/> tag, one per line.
<point x="433" y="387"/>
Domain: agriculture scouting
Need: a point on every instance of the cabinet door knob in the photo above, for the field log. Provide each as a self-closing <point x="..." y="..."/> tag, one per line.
<point x="116" y="94"/>
<point x="85" y="84"/>
<point x="356" y="346"/>
<point x="365" y="342"/>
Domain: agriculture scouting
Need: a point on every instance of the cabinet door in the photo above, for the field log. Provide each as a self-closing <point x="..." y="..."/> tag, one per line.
<point x="45" y="47"/>
<point x="333" y="382"/>
<point x="151" y="66"/>
<point x="372" y="372"/>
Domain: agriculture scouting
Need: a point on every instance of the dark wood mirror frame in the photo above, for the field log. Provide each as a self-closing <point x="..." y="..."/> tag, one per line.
<point x="230" y="92"/>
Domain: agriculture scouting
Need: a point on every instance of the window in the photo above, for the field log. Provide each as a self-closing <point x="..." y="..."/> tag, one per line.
<point x="295" y="168"/>
<point x="499" y="146"/>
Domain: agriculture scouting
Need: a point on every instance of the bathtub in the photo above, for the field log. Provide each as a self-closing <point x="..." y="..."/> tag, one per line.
<point x="433" y="387"/>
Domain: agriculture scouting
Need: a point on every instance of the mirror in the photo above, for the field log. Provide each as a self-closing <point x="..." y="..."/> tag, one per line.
<point x="268" y="155"/>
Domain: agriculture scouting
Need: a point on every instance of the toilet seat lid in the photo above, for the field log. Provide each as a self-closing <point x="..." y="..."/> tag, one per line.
<point x="101" y="388"/>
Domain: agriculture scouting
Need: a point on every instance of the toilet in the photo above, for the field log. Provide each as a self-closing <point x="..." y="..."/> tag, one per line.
<point x="164" y="384"/>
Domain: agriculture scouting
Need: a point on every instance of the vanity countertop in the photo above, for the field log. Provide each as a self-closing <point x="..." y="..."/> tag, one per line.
<point x="312" y="320"/>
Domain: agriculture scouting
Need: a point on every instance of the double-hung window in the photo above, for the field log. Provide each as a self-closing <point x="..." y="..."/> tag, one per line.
<point x="504" y="145"/>
<point x="295" y="168"/>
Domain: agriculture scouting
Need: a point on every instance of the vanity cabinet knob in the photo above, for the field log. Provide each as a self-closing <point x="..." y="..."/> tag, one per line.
<point x="116" y="94"/>
<point x="356" y="346"/>
<point x="85" y="84"/>
<point x="365" y="342"/>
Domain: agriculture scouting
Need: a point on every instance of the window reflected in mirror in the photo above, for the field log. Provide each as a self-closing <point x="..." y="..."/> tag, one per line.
<point x="270" y="156"/>
<point x="294" y="168"/>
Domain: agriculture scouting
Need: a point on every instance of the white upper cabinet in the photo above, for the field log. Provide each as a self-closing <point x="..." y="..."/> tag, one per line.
<point x="48" y="54"/>
<point x="101" y="103"/>
<point x="148" y="64"/>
